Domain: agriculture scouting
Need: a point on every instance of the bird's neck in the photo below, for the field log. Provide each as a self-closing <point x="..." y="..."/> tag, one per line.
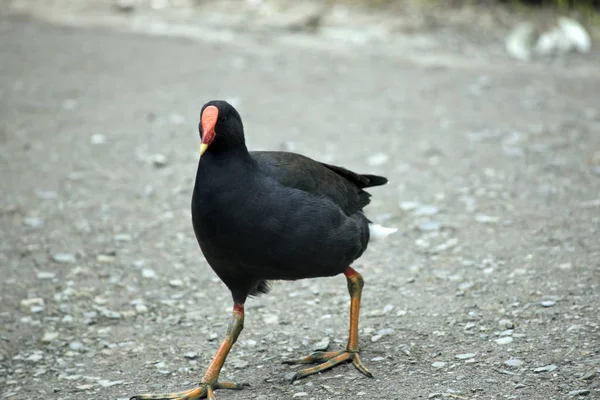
<point x="228" y="150"/>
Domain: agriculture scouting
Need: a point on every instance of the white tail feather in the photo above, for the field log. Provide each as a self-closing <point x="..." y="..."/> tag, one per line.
<point x="378" y="232"/>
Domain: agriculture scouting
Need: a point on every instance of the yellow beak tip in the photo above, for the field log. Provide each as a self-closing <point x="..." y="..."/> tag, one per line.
<point x="203" y="147"/>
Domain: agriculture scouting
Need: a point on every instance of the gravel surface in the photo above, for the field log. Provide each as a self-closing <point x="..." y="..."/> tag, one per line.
<point x="490" y="290"/>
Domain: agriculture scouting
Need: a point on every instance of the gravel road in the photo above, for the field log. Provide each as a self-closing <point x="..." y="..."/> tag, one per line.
<point x="490" y="289"/>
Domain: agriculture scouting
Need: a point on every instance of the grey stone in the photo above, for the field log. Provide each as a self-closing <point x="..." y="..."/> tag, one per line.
<point x="581" y="392"/>
<point x="465" y="356"/>
<point x="45" y="275"/>
<point x="426" y="210"/>
<point x="546" y="368"/>
<point x="322" y="345"/>
<point x="34" y="222"/>
<point x="49" y="337"/>
<point x="64" y="258"/>
<point x="148" y="273"/>
<point x="513" y="362"/>
<point x="504" y="340"/>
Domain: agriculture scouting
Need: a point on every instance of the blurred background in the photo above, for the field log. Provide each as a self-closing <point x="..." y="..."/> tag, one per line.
<point x="523" y="29"/>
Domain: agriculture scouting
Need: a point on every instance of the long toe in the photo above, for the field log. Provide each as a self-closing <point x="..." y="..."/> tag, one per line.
<point x="193" y="394"/>
<point x="317" y="356"/>
<point x="331" y="359"/>
<point x="204" y="390"/>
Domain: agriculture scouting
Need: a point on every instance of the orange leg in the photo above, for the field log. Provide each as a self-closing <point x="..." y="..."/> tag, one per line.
<point x="210" y="381"/>
<point x="331" y="359"/>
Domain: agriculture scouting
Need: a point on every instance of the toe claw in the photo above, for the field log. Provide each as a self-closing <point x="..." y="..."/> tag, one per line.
<point x="210" y="394"/>
<point x="360" y="366"/>
<point x="231" y="385"/>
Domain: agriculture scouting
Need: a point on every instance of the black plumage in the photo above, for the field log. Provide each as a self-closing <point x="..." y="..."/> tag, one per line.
<point x="269" y="215"/>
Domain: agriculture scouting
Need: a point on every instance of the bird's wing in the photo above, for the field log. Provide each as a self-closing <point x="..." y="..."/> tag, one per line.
<point x="343" y="187"/>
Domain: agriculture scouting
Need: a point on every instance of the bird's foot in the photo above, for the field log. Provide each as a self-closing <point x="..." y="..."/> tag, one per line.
<point x="328" y="360"/>
<point x="204" y="390"/>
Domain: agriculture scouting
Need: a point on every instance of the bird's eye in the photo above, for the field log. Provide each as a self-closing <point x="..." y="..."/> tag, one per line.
<point x="222" y="119"/>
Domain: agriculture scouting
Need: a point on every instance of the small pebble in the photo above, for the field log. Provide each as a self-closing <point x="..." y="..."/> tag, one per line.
<point x="34" y="222"/>
<point x="426" y="210"/>
<point x="387" y="309"/>
<point x="191" y="355"/>
<point x="36" y="309"/>
<point x="64" y="258"/>
<point x="100" y="300"/>
<point x="148" y="273"/>
<point x="513" y="362"/>
<point x="438" y="364"/>
<point x="106" y="383"/>
<point x="176" y="283"/>
<point x="300" y="394"/>
<point x="159" y="160"/>
<point x="546" y="368"/>
<point x="430" y="226"/>
<point x="33" y="301"/>
<point x="76" y="346"/>
<point x="45" y="275"/>
<point x="465" y="356"/>
<point x="97" y="139"/>
<point x="49" y="337"/>
<point x="548" y="303"/>
<point x="322" y="345"/>
<point x="110" y="313"/>
<point x="504" y="340"/>
<point x="408" y="205"/>
<point x="105" y="258"/>
<point x="381" y="333"/>
<point x="507" y="324"/>
<point x="486" y="219"/>
<point x="35" y="357"/>
<point x="582" y="392"/>
<point x="141" y="308"/>
<point x="377" y="159"/>
<point x="123" y="237"/>
<point x="270" y="319"/>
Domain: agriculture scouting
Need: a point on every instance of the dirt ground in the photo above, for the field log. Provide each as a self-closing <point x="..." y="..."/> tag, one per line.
<point x="490" y="290"/>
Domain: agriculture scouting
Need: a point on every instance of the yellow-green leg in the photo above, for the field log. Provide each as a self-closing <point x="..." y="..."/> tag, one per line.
<point x="210" y="381"/>
<point x="332" y="358"/>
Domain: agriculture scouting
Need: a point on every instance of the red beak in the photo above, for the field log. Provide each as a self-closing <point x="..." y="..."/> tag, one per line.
<point x="208" y="120"/>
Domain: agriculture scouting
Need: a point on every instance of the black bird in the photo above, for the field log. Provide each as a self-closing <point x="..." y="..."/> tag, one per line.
<point x="261" y="216"/>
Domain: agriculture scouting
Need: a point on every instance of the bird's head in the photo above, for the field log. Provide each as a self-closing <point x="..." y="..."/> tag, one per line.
<point x="220" y="127"/>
